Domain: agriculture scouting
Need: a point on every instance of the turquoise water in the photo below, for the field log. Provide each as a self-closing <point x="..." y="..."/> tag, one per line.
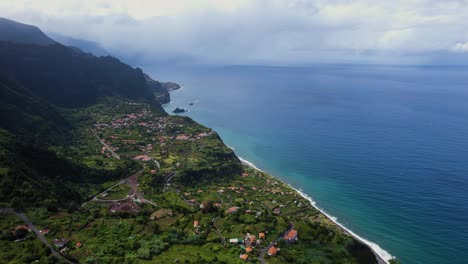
<point x="383" y="149"/>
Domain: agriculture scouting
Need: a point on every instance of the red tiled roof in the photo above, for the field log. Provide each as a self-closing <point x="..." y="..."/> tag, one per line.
<point x="244" y="256"/>
<point x="292" y="234"/>
<point x="272" y="251"/>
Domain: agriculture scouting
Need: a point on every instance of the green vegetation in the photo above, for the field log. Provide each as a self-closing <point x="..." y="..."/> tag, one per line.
<point x="28" y="250"/>
<point x="89" y="154"/>
<point x="180" y="160"/>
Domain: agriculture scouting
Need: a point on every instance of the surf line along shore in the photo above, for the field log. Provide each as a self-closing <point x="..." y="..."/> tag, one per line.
<point x="382" y="256"/>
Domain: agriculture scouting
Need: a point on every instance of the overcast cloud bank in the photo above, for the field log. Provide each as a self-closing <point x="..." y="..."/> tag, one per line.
<point x="260" y="31"/>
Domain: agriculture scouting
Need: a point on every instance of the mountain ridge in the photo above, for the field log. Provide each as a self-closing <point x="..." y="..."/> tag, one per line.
<point x="22" y="33"/>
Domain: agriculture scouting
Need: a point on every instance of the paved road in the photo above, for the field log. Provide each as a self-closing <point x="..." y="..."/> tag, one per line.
<point x="280" y="236"/>
<point x="133" y="183"/>
<point x="218" y="232"/>
<point x="105" y="145"/>
<point x="106" y="190"/>
<point x="36" y="231"/>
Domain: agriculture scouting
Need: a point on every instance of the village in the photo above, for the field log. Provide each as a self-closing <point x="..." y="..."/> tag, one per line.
<point x="160" y="215"/>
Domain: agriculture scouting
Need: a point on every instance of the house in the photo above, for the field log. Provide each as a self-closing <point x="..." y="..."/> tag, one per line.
<point x="235" y="241"/>
<point x="60" y="243"/>
<point x="245" y="174"/>
<point x="195" y="224"/>
<point x="261" y="235"/>
<point x="21" y="227"/>
<point x="142" y="158"/>
<point x="44" y="231"/>
<point x="182" y="137"/>
<point x="204" y="134"/>
<point x="248" y="249"/>
<point x="291" y="236"/>
<point x="277" y="211"/>
<point x="20" y="231"/>
<point x="273" y="251"/>
<point x="244" y="256"/>
<point x="78" y="244"/>
<point x="232" y="210"/>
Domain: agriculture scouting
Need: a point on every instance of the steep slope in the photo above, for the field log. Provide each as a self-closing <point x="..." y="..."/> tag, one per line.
<point x="68" y="78"/>
<point x="13" y="31"/>
<point x="84" y="45"/>
<point x="22" y="113"/>
<point x="160" y="92"/>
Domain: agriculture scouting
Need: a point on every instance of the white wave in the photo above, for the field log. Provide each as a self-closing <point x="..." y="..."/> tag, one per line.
<point x="230" y="147"/>
<point x="250" y="164"/>
<point x="384" y="255"/>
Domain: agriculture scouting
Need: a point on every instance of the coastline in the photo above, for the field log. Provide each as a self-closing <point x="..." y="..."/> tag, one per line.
<point x="381" y="255"/>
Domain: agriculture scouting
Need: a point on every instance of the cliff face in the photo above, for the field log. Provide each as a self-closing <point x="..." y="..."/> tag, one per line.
<point x="161" y="93"/>
<point x="170" y="86"/>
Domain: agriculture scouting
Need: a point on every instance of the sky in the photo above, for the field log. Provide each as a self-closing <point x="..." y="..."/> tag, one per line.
<point x="266" y="32"/>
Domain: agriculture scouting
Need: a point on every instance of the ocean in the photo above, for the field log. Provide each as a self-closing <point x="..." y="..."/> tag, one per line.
<point x="381" y="149"/>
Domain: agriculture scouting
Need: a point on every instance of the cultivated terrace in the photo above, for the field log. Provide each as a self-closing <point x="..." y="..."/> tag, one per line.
<point x="172" y="192"/>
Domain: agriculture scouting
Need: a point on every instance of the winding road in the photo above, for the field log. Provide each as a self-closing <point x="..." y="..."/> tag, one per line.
<point x="132" y="182"/>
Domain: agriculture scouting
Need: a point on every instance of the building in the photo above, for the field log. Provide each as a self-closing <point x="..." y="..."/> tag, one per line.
<point x="195" y="224"/>
<point x="244" y="256"/>
<point x="261" y="235"/>
<point x="44" y="231"/>
<point x="22" y="227"/>
<point x="273" y="251"/>
<point x="248" y="249"/>
<point x="232" y="210"/>
<point x="291" y="236"/>
<point x="60" y="243"/>
<point x="235" y="241"/>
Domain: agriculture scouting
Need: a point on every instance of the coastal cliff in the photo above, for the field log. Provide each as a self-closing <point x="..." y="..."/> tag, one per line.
<point x="109" y="177"/>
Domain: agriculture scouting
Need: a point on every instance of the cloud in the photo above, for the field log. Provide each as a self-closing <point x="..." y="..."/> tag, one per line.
<point x="460" y="47"/>
<point x="258" y="31"/>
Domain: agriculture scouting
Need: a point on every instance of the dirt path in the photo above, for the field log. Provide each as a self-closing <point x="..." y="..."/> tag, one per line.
<point x="36" y="231"/>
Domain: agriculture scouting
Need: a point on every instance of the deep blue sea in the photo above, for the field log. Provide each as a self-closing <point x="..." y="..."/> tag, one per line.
<point x="384" y="149"/>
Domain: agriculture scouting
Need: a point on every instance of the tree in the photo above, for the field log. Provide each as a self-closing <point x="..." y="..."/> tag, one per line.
<point x="144" y="253"/>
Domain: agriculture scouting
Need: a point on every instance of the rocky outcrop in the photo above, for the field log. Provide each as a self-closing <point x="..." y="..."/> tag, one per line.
<point x="170" y="86"/>
<point x="179" y="111"/>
